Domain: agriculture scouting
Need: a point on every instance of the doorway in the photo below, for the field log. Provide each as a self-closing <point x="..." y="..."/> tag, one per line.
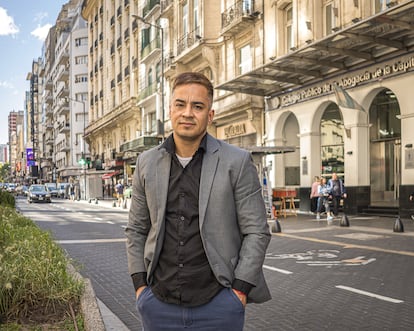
<point x="385" y="150"/>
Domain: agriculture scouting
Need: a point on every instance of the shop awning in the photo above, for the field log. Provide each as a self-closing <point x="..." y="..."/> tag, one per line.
<point x="267" y="150"/>
<point x="110" y="174"/>
<point x="365" y="42"/>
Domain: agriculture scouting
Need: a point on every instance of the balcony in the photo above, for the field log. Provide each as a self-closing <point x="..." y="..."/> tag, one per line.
<point x="126" y="71"/>
<point x="119" y="12"/>
<point x="64" y="57"/>
<point x="63" y="75"/>
<point x="126" y="3"/>
<point x="112" y="49"/>
<point x="148" y="91"/>
<point x="188" y="40"/>
<point x="65" y="147"/>
<point x="140" y="144"/>
<point x="49" y="98"/>
<point x="64" y="127"/>
<point x="62" y="108"/>
<point x="112" y="83"/>
<point x="49" y="85"/>
<point x="112" y="21"/>
<point x="50" y="141"/>
<point x="119" y="42"/>
<point x="101" y="62"/>
<point x="149" y="6"/>
<point x="119" y="78"/>
<point x="101" y="37"/>
<point x="152" y="46"/>
<point x="166" y="8"/>
<point x="63" y="92"/>
<point x="134" y="63"/>
<point x="237" y="18"/>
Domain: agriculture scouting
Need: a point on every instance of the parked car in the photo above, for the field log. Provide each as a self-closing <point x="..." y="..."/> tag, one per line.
<point x="52" y="189"/>
<point x="21" y="190"/>
<point x="38" y="193"/>
<point x="62" y="190"/>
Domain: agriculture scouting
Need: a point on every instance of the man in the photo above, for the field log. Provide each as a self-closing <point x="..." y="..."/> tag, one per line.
<point x="119" y="189"/>
<point x="337" y="189"/>
<point x="197" y="231"/>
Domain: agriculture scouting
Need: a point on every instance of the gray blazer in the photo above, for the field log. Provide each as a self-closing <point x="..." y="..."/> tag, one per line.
<point x="232" y="215"/>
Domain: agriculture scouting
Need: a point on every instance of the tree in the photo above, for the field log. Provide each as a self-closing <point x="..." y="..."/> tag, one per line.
<point x="4" y="171"/>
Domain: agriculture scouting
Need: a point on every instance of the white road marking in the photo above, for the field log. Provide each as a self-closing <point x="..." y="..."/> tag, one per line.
<point x="373" y="295"/>
<point x="99" y="219"/>
<point x="91" y="241"/>
<point x="286" y="272"/>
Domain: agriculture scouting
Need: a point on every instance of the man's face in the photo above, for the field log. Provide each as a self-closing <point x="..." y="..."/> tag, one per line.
<point x="190" y="112"/>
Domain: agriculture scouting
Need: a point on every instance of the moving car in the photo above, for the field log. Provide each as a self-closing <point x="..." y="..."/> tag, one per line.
<point x="38" y="193"/>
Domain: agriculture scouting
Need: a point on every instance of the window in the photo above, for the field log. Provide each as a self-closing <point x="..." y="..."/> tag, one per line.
<point x="81" y="59"/>
<point x="195" y="14"/>
<point x="81" y="78"/>
<point x="185" y="19"/>
<point x="81" y="97"/>
<point x="151" y="123"/>
<point x="289" y="27"/>
<point x="245" y="56"/>
<point x="380" y="5"/>
<point x="81" y="42"/>
<point x="331" y="14"/>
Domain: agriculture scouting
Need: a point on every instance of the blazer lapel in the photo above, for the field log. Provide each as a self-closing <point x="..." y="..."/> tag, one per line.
<point x="162" y="174"/>
<point x="208" y="171"/>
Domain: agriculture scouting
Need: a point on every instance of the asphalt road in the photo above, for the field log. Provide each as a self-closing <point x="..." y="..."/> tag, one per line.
<point x="322" y="277"/>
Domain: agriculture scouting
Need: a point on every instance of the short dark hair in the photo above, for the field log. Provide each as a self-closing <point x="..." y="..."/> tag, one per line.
<point x="194" y="78"/>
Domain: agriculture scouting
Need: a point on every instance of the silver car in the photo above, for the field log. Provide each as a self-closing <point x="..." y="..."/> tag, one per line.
<point x="38" y="193"/>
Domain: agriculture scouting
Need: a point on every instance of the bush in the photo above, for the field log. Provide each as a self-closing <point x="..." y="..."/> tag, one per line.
<point x="34" y="283"/>
<point x="6" y="199"/>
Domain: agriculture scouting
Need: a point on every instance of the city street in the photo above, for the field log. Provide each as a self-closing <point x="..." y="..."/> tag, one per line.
<point x="322" y="277"/>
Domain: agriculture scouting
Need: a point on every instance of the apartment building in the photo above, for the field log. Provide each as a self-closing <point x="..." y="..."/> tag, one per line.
<point x="336" y="81"/>
<point x="59" y="149"/>
<point x="114" y="131"/>
<point x="15" y="124"/>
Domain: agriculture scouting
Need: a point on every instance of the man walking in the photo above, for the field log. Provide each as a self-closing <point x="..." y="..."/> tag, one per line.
<point x="337" y="189"/>
<point x="197" y="231"/>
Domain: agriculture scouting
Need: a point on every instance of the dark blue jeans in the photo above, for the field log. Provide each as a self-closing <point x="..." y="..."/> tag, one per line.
<point x="224" y="312"/>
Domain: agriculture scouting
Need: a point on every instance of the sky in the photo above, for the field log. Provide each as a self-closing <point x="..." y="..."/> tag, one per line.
<point x="24" y="25"/>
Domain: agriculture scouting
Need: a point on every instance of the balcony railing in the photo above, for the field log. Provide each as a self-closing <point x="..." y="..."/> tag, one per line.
<point x="188" y="40"/>
<point x="147" y="91"/>
<point x="233" y="14"/>
<point x="150" y="47"/>
<point x="148" y="6"/>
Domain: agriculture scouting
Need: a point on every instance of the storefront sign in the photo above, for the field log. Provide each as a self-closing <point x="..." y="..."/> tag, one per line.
<point x="235" y="130"/>
<point x="398" y="66"/>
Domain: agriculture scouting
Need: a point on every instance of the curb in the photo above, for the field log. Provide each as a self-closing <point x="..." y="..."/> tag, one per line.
<point x="89" y="305"/>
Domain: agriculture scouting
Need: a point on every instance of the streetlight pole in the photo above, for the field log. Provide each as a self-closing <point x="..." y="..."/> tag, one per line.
<point x="161" y="30"/>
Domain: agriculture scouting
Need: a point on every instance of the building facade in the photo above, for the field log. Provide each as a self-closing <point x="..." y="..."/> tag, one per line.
<point x="335" y="82"/>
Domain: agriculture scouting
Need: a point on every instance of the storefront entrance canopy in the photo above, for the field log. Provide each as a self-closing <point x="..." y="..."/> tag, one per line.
<point x="267" y="150"/>
<point x="365" y="42"/>
<point x="110" y="174"/>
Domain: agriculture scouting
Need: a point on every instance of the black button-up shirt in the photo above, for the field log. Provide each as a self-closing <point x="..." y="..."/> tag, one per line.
<point x="183" y="275"/>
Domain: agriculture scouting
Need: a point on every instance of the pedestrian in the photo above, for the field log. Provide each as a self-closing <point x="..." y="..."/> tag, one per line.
<point x="197" y="232"/>
<point x="314" y="195"/>
<point x="119" y="189"/>
<point x="412" y="199"/>
<point x="337" y="189"/>
<point x="323" y="200"/>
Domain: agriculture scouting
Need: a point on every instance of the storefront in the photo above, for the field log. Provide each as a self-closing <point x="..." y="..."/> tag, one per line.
<point x="346" y="101"/>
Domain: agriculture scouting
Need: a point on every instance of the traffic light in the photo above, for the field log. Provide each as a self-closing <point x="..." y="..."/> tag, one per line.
<point x="82" y="161"/>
